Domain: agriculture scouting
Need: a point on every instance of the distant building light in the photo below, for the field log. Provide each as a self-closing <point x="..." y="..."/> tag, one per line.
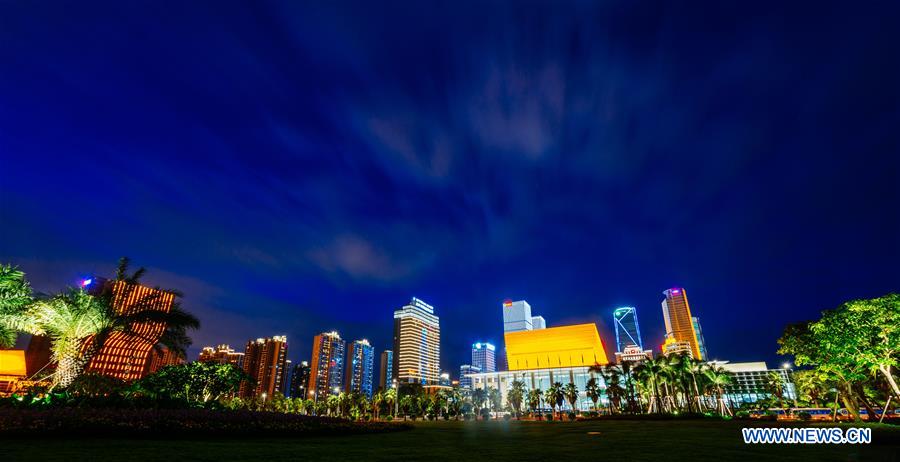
<point x="87" y="282"/>
<point x="507" y="303"/>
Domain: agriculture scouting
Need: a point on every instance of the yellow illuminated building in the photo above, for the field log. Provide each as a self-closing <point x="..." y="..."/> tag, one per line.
<point x="564" y="346"/>
<point x="12" y="363"/>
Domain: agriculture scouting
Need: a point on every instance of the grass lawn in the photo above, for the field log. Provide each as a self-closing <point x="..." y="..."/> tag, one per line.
<point x="491" y="441"/>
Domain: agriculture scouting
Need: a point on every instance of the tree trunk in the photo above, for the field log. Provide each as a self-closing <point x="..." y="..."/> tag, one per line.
<point x="849" y="402"/>
<point x="886" y="371"/>
<point x="861" y="394"/>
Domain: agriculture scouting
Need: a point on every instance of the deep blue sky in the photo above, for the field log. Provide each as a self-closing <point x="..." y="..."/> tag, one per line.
<point x="298" y="168"/>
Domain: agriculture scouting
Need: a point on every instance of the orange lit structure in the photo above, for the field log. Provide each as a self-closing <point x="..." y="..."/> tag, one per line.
<point x="677" y="316"/>
<point x="126" y="356"/>
<point x="265" y="361"/>
<point x="12" y="369"/>
<point x="564" y="346"/>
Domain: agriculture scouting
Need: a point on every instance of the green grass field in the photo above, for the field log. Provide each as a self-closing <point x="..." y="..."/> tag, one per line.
<point x="491" y="441"/>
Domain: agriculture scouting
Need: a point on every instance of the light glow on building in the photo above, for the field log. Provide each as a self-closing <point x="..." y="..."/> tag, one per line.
<point x="564" y="346"/>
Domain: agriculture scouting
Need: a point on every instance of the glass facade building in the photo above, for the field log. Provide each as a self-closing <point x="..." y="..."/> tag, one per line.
<point x="677" y="316"/>
<point x="327" y="369"/>
<point x="628" y="331"/>
<point x="360" y="368"/>
<point x="484" y="356"/>
<point x="465" y="379"/>
<point x="386" y="377"/>
<point x="701" y="343"/>
<point x="749" y="382"/>
<point x="542" y="379"/>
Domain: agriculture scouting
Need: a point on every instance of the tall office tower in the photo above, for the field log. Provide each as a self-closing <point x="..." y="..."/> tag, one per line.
<point x="300" y="380"/>
<point x="286" y="386"/>
<point x="326" y="374"/>
<point x="677" y="315"/>
<point x="538" y="322"/>
<point x="465" y="382"/>
<point x="360" y="368"/>
<point x="484" y="357"/>
<point x="417" y="343"/>
<point x="264" y="361"/>
<point x="222" y="354"/>
<point x="628" y="332"/>
<point x="125" y="356"/>
<point x="516" y="316"/>
<point x="701" y="342"/>
<point x="387" y="370"/>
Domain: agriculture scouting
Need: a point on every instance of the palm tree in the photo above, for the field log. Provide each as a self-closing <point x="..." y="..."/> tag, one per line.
<point x="775" y="386"/>
<point x="592" y="390"/>
<point x="479" y="397"/>
<point x="649" y="374"/>
<point x="534" y="399"/>
<point x="390" y="397"/>
<point x="719" y="378"/>
<point x="555" y="396"/>
<point x="15" y="295"/>
<point x="495" y="400"/>
<point x="334" y="404"/>
<point x="516" y="395"/>
<point x="377" y="400"/>
<point x="78" y="323"/>
<point x="571" y="393"/>
<point x="614" y="390"/>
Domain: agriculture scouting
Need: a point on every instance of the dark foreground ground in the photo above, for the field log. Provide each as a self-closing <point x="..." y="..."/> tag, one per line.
<point x="492" y="441"/>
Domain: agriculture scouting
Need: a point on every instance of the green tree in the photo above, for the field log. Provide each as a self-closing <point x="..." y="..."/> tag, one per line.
<point x="495" y="400"/>
<point x="197" y="381"/>
<point x="15" y="296"/>
<point x="719" y="378"/>
<point x="554" y="396"/>
<point x="592" y="390"/>
<point x="516" y="395"/>
<point x="534" y="399"/>
<point x="571" y="393"/>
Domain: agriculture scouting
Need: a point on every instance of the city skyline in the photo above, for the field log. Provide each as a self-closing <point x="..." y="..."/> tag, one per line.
<point x="311" y="166"/>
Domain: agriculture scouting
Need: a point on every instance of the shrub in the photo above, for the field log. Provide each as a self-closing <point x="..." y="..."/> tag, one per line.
<point x="469" y="416"/>
<point x="549" y="416"/>
<point x="507" y="417"/>
<point x="389" y="418"/>
<point x="805" y="416"/>
<point x="572" y="416"/>
<point x="742" y="415"/>
<point x="485" y="414"/>
<point x="175" y="423"/>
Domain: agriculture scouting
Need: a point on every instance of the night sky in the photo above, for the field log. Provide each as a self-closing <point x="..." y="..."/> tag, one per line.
<point x="299" y="167"/>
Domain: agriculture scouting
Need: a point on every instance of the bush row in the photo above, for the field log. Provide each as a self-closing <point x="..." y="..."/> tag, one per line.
<point x="170" y="423"/>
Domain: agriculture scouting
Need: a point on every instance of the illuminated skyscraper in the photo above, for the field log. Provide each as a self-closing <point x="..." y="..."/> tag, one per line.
<point x="484" y="357"/>
<point x="360" y="365"/>
<point x="677" y="315"/>
<point x="327" y="369"/>
<point x="701" y="342"/>
<point x="628" y="332"/>
<point x="417" y="344"/>
<point x="386" y="376"/>
<point x="126" y="356"/>
<point x="300" y="380"/>
<point x="265" y="362"/>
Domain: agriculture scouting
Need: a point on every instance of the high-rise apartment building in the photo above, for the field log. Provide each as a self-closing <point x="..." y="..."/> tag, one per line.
<point x="222" y="354"/>
<point x="386" y="377"/>
<point x="300" y="380"/>
<point x="677" y="315"/>
<point x="126" y="356"/>
<point x="160" y="358"/>
<point x="628" y="332"/>
<point x="287" y="376"/>
<point x="417" y="343"/>
<point x="326" y="374"/>
<point x="360" y="368"/>
<point x="265" y="361"/>
<point x="701" y="342"/>
<point x="465" y="381"/>
<point x="484" y="356"/>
